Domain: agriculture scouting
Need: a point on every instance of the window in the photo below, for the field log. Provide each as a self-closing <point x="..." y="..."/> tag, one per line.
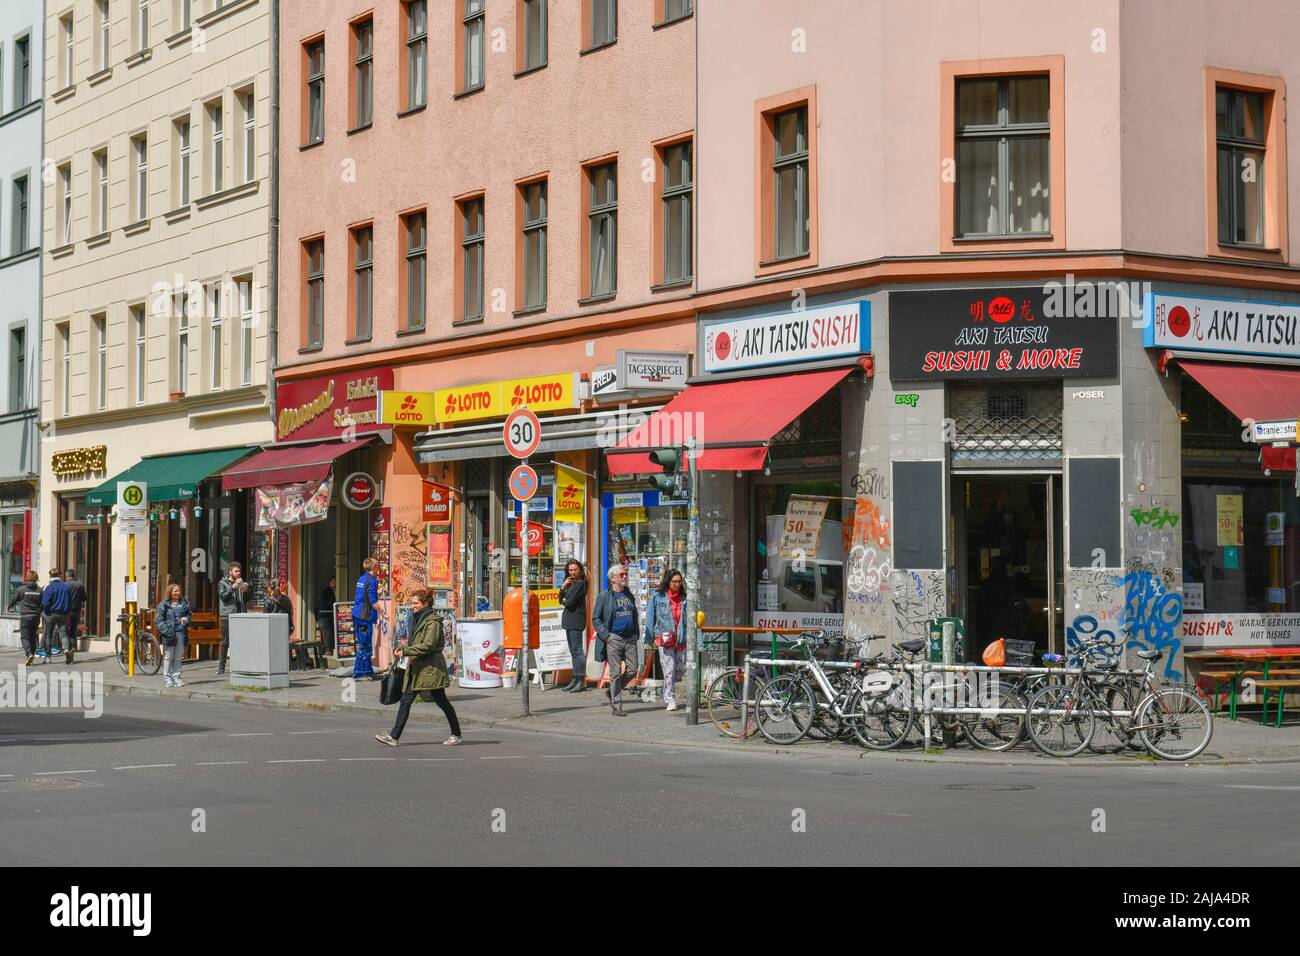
<point x="17" y="369"/>
<point x="534" y="45"/>
<point x="139" y="342"/>
<point x="316" y="92"/>
<point x="315" y="336"/>
<point x="603" y="16"/>
<point x="1239" y="118"/>
<point x="182" y="153"/>
<point x="102" y="48"/>
<point x="415" y="241"/>
<point x="534" y="243"/>
<point x="677" y="187"/>
<point x="22" y="71"/>
<point x="67" y="56"/>
<point x="602" y="230"/>
<point x="65" y="204"/>
<point x="671" y="10"/>
<point x="216" y="326"/>
<point x="248" y="146"/>
<point x="244" y="289"/>
<point x="19" y="216"/>
<point x="417" y="54"/>
<point x="1003" y="156"/>
<point x="99" y="217"/>
<point x="471" y="256"/>
<point x="100" y="324"/>
<point x="790" y="172"/>
<point x="362" y="281"/>
<point x="140" y="181"/>
<point x="141" y="25"/>
<point x="363" y="42"/>
<point x="64" y="333"/>
<point x="183" y="14"/>
<point x="217" y="139"/>
<point x="473" y="24"/>
<point x="181" y="384"/>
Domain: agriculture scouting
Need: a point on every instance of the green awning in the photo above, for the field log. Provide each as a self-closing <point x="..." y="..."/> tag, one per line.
<point x="169" y="477"/>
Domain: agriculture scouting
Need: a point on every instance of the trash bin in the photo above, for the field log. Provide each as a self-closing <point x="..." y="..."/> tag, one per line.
<point x="259" y="650"/>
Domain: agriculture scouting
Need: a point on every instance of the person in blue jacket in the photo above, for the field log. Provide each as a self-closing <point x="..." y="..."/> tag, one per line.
<point x="56" y="600"/>
<point x="364" y="616"/>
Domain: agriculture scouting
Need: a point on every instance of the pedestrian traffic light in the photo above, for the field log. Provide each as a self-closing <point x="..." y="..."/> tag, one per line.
<point x="669" y="459"/>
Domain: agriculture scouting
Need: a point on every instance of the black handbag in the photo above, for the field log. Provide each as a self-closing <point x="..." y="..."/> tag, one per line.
<point x="390" y="688"/>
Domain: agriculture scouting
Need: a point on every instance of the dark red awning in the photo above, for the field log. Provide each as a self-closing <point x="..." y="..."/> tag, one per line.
<point x="283" y="466"/>
<point x="1261" y="393"/>
<point x="732" y="422"/>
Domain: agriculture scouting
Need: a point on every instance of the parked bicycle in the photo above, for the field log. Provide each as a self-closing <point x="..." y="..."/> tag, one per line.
<point x="148" y="651"/>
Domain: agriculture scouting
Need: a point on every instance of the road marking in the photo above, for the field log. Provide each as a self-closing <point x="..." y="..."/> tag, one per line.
<point x="144" y="766"/>
<point x="432" y="759"/>
<point x="51" y="773"/>
<point x="299" y="733"/>
<point x="300" y="760"/>
<point x="1255" y="786"/>
<point x="561" y="756"/>
<point x="6" y="776"/>
<point x="634" y="753"/>
<point x="258" y="734"/>
<point x="506" y="757"/>
<point x="347" y="759"/>
<point x="219" y="763"/>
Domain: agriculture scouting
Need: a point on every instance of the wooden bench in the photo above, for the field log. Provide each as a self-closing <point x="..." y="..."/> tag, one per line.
<point x="1217" y="677"/>
<point x="1279" y="687"/>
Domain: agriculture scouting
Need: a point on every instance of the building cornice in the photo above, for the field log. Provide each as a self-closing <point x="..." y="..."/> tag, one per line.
<point x="33" y="107"/>
<point x="205" y="406"/>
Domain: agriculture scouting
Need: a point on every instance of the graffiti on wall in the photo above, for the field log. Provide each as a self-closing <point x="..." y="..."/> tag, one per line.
<point x="916" y="598"/>
<point x="1153" y="611"/>
<point x="868" y="565"/>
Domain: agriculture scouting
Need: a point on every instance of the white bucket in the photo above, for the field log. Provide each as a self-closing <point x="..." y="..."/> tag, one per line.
<point x="478" y="640"/>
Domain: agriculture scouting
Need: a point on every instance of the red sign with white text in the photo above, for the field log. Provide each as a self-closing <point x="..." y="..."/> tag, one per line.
<point x="325" y="407"/>
<point x="437" y="503"/>
<point x="536" y="534"/>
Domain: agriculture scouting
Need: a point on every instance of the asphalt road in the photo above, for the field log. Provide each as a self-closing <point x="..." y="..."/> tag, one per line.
<point x="277" y="787"/>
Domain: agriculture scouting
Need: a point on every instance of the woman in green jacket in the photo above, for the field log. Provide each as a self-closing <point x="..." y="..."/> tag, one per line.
<point x="426" y="670"/>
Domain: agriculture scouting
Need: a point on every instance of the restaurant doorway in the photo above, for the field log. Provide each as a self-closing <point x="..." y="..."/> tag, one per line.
<point x="1009" y="560"/>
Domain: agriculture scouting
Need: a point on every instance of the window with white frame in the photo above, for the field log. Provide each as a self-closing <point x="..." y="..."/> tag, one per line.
<point x="141" y="22"/>
<point x="182" y="151"/>
<point x="602" y="223"/>
<point x="245" y="291"/>
<point x="65" y="368"/>
<point x="183" y="14"/>
<point x="249" y="144"/>
<point x="99" y="209"/>
<point x="65" y="204"/>
<point x="182" y="343"/>
<point x="217" y="147"/>
<point x="67" y="57"/>
<point x="17" y="369"/>
<point x="100" y="324"/>
<point x="20" y="217"/>
<point x="102" y="48"/>
<point x="22" y="71"/>
<point x="140" y="181"/>
<point x="215" y="326"/>
<point x="140" y="347"/>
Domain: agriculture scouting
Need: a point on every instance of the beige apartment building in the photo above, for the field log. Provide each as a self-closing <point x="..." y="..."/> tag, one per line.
<point x="156" y="225"/>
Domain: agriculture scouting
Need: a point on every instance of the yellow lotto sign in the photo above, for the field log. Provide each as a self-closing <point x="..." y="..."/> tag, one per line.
<point x="541" y="393"/>
<point x="570" y="493"/>
<point x="407" y="408"/>
<point x="548" y="598"/>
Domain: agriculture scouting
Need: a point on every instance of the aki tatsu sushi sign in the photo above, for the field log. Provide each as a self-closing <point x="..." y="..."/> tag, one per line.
<point x="1011" y="333"/>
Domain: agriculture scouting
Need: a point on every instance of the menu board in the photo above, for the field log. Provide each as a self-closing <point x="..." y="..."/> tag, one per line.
<point x="258" y="572"/>
<point x="381" y="546"/>
<point x="345" y="639"/>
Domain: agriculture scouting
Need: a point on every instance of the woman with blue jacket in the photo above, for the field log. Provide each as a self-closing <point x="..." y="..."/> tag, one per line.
<point x="665" y="628"/>
<point x="173" y="620"/>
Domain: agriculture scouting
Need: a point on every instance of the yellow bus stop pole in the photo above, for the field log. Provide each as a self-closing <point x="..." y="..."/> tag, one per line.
<point x="130" y="608"/>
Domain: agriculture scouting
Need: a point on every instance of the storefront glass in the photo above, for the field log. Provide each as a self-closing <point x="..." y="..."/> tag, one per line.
<point x="646" y="532"/>
<point x="1231" y="563"/>
<point x="12" y="553"/>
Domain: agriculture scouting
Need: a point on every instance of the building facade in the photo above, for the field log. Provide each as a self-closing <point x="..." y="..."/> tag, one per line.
<point x="21" y="92"/>
<point x="155" y="326"/>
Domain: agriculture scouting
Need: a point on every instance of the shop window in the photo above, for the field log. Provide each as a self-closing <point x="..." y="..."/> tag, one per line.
<point x="812" y="584"/>
<point x="13" y="546"/>
<point x="1228" y="562"/>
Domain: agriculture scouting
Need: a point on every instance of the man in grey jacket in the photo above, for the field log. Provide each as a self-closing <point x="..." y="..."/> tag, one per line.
<point x="615" y="621"/>
<point x="231" y="593"/>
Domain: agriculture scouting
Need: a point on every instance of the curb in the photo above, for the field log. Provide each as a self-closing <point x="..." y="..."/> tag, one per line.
<point x="730" y="746"/>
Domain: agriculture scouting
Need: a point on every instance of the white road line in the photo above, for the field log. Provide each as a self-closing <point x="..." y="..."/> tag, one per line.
<point x="1254" y="786"/>
<point x="299" y="733"/>
<point x="257" y="734"/>
<point x="144" y="766"/>
<point x="300" y="760"/>
<point x="506" y="757"/>
<point x="9" y="776"/>
<point x="561" y="756"/>
<point x="219" y="763"/>
<point x="634" y="753"/>
<point x="51" y="773"/>
<point x="348" y="759"/>
<point x="432" y="759"/>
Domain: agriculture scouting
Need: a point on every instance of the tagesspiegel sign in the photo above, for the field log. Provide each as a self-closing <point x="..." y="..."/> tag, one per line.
<point x="1010" y="333"/>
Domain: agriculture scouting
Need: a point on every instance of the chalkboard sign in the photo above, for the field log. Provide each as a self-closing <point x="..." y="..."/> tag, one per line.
<point x="1095" y="512"/>
<point x="258" y="571"/>
<point x="918" y="514"/>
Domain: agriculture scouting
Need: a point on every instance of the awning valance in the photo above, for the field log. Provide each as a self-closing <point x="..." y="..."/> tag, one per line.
<point x="169" y="477"/>
<point x="732" y="422"/>
<point x="281" y="466"/>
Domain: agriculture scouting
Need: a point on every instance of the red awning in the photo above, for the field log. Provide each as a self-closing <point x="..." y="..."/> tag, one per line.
<point x="282" y="466"/>
<point x="732" y="422"/>
<point x="1261" y="393"/>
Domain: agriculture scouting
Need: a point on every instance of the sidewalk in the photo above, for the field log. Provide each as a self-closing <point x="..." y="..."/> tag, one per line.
<point x="587" y="715"/>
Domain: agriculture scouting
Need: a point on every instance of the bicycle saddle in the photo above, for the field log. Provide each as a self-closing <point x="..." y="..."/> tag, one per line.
<point x="911" y="647"/>
<point x="1151" y="655"/>
<point x="1053" y="659"/>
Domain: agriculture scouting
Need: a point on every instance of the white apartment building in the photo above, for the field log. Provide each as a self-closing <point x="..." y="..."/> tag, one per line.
<point x="155" y="314"/>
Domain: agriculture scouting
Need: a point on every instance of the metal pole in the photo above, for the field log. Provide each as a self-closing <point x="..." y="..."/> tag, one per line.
<point x="130" y="607"/>
<point x="524" y="609"/>
<point x="692" y="586"/>
<point x="744" y="701"/>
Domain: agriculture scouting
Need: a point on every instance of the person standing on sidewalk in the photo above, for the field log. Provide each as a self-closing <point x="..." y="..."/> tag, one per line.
<point x="573" y="595"/>
<point x="665" y="628"/>
<point x="28" y="599"/>
<point x="54" y="605"/>
<point x="325" y="617"/>
<point x="76" y="601"/>
<point x="173" y="620"/>
<point x="232" y="592"/>
<point x="426" y="672"/>
<point x="364" y="616"/>
<point x="615" y="620"/>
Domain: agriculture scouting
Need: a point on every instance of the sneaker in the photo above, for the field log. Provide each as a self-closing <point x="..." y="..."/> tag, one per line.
<point x="30" y="658"/>
<point x="672" y="706"/>
<point x="40" y="655"/>
<point x="582" y="685"/>
<point x="177" y="682"/>
<point x="388" y="739"/>
<point x="451" y="741"/>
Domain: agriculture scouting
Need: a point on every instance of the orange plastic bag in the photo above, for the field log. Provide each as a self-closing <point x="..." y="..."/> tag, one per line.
<point x="995" y="655"/>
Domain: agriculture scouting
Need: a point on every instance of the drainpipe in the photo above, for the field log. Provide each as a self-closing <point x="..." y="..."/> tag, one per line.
<point x="273" y="269"/>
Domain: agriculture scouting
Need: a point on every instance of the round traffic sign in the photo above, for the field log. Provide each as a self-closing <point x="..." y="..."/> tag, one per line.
<point x="133" y="496"/>
<point x="522" y="433"/>
<point x="523" y="483"/>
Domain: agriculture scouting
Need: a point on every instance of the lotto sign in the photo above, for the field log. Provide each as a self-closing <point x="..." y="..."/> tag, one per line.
<point x="407" y="408"/>
<point x="523" y="483"/>
<point x="132" y="507"/>
<point x="535" y="537"/>
<point x="522" y="434"/>
<point x="570" y="493"/>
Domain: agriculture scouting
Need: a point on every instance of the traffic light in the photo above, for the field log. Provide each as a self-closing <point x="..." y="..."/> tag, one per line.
<point x="670" y="482"/>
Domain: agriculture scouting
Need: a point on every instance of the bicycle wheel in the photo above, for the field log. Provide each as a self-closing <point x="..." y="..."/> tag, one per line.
<point x="1061" y="720"/>
<point x="784" y="709"/>
<point x="997" y="731"/>
<point x="1113" y="733"/>
<point x="825" y="725"/>
<point x="723" y="700"/>
<point x="1174" y="723"/>
<point x="883" y="721"/>
<point x="119" y="651"/>
<point x="148" y="654"/>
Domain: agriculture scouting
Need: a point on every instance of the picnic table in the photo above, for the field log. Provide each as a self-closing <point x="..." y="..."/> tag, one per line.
<point x="1241" y="660"/>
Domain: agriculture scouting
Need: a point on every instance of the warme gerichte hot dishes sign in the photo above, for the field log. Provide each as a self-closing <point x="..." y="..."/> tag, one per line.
<point x="795" y="335"/>
<point x="1011" y="333"/>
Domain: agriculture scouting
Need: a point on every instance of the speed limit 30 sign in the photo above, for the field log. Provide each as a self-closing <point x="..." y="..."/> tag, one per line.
<point x="522" y="433"/>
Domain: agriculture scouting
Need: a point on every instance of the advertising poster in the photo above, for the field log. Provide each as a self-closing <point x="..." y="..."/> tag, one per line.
<point x="570" y="493"/>
<point x="381" y="548"/>
<point x="1238" y="630"/>
<point x="803" y="527"/>
<point x="283" y="506"/>
<point x="553" y="654"/>
<point x="1231" y="527"/>
<point x="440" y="556"/>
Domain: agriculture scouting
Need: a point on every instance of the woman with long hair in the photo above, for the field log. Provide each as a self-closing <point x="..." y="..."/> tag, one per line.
<point x="573" y="595"/>
<point x="665" y="629"/>
<point x="173" y="620"/>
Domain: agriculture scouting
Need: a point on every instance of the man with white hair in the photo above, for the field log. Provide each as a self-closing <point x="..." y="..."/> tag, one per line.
<point x="616" y="624"/>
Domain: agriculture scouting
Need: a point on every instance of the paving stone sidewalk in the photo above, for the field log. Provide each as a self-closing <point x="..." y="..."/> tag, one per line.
<point x="587" y="714"/>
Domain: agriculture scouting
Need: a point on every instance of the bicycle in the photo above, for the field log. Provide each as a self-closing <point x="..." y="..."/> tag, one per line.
<point x="1172" y="722"/>
<point x="725" y="696"/>
<point x="787" y="707"/>
<point x="148" y="651"/>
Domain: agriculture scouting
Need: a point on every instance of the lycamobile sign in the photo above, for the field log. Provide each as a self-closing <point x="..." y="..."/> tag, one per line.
<point x="784" y="337"/>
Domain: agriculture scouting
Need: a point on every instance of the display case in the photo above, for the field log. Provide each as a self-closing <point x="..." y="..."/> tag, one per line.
<point x="645" y="532"/>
